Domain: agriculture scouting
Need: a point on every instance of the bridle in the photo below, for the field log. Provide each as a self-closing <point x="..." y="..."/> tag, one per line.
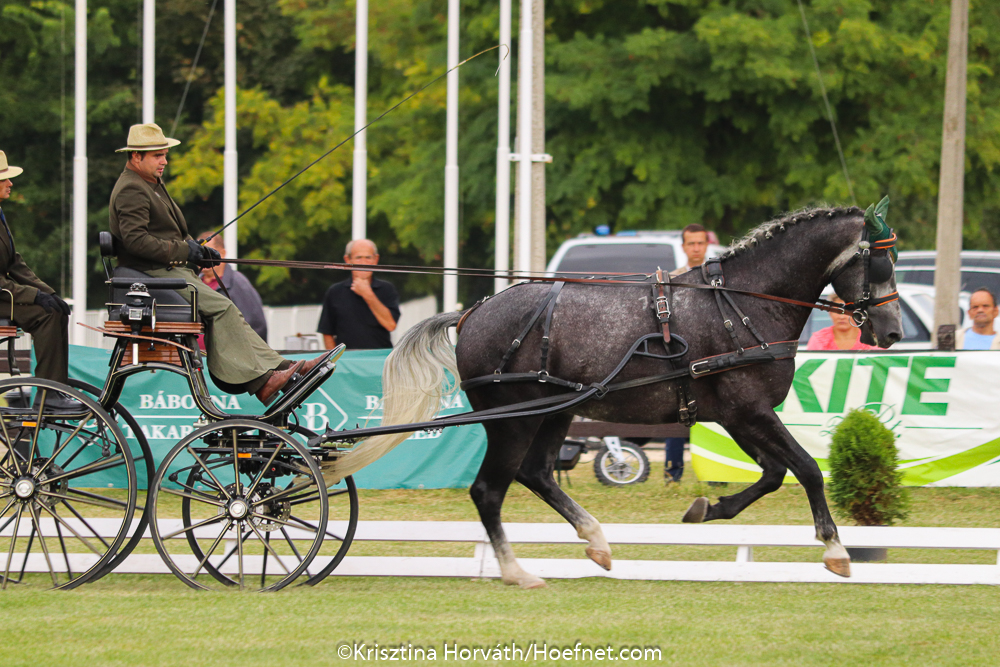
<point x="877" y="257"/>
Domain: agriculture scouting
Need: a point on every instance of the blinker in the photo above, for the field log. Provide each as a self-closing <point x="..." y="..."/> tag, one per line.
<point x="880" y="268"/>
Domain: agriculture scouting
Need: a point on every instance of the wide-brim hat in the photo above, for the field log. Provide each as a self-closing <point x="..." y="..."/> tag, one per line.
<point x="147" y="137"/>
<point x="6" y="170"/>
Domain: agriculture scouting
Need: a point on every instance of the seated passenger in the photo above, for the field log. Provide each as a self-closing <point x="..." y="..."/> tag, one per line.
<point x="842" y="335"/>
<point x="153" y="237"/>
<point x="36" y="307"/>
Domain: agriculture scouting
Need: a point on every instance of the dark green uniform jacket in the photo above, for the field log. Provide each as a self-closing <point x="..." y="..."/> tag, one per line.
<point x="15" y="274"/>
<point x="149" y="226"/>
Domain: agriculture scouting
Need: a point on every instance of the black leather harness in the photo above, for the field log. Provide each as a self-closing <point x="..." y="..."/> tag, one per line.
<point x="682" y="372"/>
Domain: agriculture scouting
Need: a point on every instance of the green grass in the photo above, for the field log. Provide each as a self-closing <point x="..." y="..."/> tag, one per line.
<point x="156" y="620"/>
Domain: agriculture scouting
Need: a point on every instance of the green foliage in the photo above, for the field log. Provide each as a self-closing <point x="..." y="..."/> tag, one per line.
<point x="864" y="483"/>
<point x="659" y="113"/>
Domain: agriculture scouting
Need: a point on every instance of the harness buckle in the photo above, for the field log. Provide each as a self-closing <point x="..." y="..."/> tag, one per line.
<point x="694" y="368"/>
<point x="541" y="375"/>
<point x="662" y="309"/>
<point x="496" y="375"/>
<point x="717" y="282"/>
<point x="729" y="325"/>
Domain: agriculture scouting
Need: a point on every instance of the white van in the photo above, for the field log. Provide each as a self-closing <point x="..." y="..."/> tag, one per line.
<point x="625" y="252"/>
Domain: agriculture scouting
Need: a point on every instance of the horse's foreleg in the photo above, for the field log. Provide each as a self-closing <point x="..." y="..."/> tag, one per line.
<point x="536" y="474"/>
<point x="765" y="438"/>
<point x="507" y="443"/>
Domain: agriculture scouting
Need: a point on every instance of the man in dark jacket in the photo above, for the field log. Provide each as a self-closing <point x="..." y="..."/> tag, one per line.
<point x="29" y="302"/>
<point x="153" y="237"/>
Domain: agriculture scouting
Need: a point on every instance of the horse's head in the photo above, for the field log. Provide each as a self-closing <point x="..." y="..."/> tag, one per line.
<point x="867" y="281"/>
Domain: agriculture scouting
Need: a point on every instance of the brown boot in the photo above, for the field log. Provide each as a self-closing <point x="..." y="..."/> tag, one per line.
<point x="310" y="364"/>
<point x="277" y="382"/>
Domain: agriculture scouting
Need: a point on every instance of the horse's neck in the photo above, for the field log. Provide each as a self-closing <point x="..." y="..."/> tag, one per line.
<point x="795" y="263"/>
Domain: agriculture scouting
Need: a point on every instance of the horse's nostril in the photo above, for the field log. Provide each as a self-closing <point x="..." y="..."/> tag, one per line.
<point x="894" y="337"/>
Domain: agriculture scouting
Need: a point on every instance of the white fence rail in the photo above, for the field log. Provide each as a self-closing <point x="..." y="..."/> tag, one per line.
<point x="743" y="538"/>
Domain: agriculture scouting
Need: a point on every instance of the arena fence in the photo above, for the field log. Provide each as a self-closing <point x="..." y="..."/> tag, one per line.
<point x="744" y="539"/>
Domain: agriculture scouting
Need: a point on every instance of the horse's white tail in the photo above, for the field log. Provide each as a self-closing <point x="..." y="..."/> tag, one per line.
<point x="413" y="381"/>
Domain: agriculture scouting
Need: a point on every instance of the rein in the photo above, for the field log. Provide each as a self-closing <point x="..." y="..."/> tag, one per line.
<point x="821" y="304"/>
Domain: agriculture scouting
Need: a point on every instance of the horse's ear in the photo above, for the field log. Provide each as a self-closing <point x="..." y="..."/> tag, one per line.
<point x="875" y="219"/>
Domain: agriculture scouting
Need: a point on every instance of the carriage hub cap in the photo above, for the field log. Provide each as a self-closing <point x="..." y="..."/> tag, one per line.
<point x="24" y="488"/>
<point x="238" y="508"/>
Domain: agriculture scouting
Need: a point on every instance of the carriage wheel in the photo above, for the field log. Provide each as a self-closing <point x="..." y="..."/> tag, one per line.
<point x="244" y="498"/>
<point x="344" y="511"/>
<point x="145" y="469"/>
<point x="67" y="486"/>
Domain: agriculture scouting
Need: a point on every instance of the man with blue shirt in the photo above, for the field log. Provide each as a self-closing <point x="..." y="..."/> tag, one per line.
<point x="981" y="335"/>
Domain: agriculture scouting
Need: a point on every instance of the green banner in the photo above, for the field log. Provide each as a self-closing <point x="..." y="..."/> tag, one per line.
<point x="940" y="405"/>
<point x="161" y="403"/>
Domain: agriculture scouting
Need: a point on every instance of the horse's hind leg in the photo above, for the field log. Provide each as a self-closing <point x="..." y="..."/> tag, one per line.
<point x="536" y="474"/>
<point x="506" y="445"/>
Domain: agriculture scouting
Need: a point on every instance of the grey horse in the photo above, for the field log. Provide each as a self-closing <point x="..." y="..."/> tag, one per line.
<point x="593" y="326"/>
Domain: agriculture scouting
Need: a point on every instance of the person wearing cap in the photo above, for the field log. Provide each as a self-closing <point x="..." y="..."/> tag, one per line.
<point x="153" y="237"/>
<point x="29" y="302"/>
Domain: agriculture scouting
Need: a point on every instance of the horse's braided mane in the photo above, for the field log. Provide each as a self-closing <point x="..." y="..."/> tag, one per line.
<point x="768" y="229"/>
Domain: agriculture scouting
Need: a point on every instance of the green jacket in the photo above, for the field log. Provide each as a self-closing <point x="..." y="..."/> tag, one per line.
<point x="15" y="276"/>
<point x="147" y="223"/>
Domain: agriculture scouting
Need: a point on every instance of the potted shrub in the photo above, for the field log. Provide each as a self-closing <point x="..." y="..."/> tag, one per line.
<point x="864" y="483"/>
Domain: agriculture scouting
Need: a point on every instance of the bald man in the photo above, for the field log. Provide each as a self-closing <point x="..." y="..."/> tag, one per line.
<point x="361" y="311"/>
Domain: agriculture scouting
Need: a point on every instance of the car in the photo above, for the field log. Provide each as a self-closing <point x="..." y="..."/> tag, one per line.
<point x="979" y="269"/>
<point x="639" y="252"/>
<point x="917" y="305"/>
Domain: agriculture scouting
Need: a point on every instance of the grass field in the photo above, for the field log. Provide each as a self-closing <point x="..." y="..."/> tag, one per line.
<point x="156" y="620"/>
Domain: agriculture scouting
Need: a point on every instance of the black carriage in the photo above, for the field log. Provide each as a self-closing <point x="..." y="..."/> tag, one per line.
<point x="240" y="501"/>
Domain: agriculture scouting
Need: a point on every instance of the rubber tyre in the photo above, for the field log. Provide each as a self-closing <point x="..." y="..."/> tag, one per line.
<point x="633" y="470"/>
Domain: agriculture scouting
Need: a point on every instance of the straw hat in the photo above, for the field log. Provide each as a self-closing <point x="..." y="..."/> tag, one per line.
<point x="148" y="137"/>
<point x="7" y="171"/>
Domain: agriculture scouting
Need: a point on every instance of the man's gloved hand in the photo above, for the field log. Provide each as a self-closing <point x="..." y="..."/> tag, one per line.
<point x="202" y="255"/>
<point x="52" y="302"/>
<point x="212" y="256"/>
<point x="196" y="252"/>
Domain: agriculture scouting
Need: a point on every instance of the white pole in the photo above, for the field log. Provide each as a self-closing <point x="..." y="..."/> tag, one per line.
<point x="77" y="334"/>
<point x="230" y="199"/>
<point x="502" y="262"/>
<point x="524" y="137"/>
<point x="451" y="165"/>
<point x="359" y="200"/>
<point x="148" y="60"/>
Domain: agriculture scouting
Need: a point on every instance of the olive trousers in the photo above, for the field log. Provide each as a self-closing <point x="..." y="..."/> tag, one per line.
<point x="49" y="331"/>
<point x="238" y="359"/>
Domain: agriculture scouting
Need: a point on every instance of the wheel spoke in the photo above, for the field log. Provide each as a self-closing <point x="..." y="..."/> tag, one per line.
<point x="206" y="500"/>
<point x="84" y="522"/>
<point x="210" y="474"/>
<point x="267" y="547"/>
<point x="315" y="528"/>
<point x="96" y="466"/>
<point x="225" y="559"/>
<point x="207" y="522"/>
<point x="263" y="470"/>
<point x="239" y="547"/>
<point x="38" y="425"/>
<point x="62" y="545"/>
<point x="211" y="549"/>
<point x="85" y="501"/>
<point x="95" y="496"/>
<point x="294" y="550"/>
<point x="45" y="547"/>
<point x="282" y="494"/>
<point x="70" y="439"/>
<point x="10" y="445"/>
<point x="236" y="463"/>
<point x="73" y="530"/>
<point x="27" y="552"/>
<point x="301" y="500"/>
<point x="10" y="552"/>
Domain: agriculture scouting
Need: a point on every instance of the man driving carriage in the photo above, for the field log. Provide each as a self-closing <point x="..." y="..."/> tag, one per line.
<point x="152" y="236"/>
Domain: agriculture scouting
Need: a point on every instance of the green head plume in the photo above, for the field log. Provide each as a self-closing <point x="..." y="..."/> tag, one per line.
<point x="878" y="229"/>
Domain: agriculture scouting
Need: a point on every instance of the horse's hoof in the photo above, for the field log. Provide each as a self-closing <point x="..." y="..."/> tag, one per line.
<point x="839" y="566"/>
<point x="600" y="556"/>
<point x="696" y="513"/>
<point x="530" y="583"/>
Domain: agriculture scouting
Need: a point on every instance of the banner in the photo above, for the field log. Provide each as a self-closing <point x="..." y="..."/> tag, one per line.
<point x="943" y="407"/>
<point x="162" y="404"/>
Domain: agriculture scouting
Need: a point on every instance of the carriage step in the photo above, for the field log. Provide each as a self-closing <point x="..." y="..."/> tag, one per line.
<point x="302" y="388"/>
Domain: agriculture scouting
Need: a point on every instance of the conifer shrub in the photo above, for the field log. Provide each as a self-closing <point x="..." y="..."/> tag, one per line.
<point x="864" y="483"/>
